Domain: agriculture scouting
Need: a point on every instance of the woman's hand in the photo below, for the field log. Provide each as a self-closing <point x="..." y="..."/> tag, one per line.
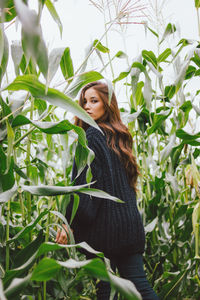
<point x="62" y="235"/>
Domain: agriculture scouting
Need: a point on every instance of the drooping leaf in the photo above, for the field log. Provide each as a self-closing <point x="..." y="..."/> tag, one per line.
<point x="170" y="29"/>
<point x="32" y="40"/>
<point x="125" y="287"/>
<point x="17" y="53"/>
<point x="4" y="56"/>
<point x="49" y="246"/>
<point x="98" y="45"/>
<point x="82" y="80"/>
<point x="2" y="295"/>
<point x="165" y="153"/>
<point x="37" y="89"/>
<point x="147" y="90"/>
<point x="47" y="190"/>
<point x="54" y="14"/>
<point x="121" y="54"/>
<point x="54" y="62"/>
<point x="151" y="226"/>
<point x="16" y="286"/>
<point x="187" y="138"/>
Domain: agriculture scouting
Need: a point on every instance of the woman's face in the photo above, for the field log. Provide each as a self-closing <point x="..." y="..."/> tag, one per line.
<point x="93" y="104"/>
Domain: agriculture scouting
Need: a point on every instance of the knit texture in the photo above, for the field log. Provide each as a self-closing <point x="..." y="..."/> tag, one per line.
<point x="107" y="226"/>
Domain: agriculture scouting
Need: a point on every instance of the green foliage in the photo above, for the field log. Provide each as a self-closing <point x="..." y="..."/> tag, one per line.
<point x="38" y="144"/>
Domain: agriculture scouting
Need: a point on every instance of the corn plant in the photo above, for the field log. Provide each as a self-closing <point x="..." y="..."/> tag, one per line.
<point x="38" y="143"/>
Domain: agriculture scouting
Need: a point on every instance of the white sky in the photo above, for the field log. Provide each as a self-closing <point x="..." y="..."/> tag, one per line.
<point x="82" y="23"/>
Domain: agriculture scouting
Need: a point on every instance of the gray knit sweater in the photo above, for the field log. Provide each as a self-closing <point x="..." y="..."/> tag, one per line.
<point x="107" y="226"/>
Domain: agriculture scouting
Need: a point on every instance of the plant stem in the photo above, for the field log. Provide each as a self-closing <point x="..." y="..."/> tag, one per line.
<point x="7" y="236"/>
<point x="28" y="161"/>
<point x="44" y="290"/>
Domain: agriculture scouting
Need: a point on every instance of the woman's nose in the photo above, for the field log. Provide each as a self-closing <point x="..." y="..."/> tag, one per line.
<point x="86" y="106"/>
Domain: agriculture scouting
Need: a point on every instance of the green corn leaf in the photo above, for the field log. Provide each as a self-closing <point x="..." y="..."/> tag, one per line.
<point x="61" y="127"/>
<point x="169" y="290"/>
<point x="188" y="138"/>
<point x="47" y="190"/>
<point x="32" y="41"/>
<point x="81" y="81"/>
<point x="138" y="65"/>
<point x="170" y="29"/>
<point x="151" y="226"/>
<point x="48" y="246"/>
<point x="152" y="31"/>
<point x="125" y="287"/>
<point x="197" y="3"/>
<point x="10" y="137"/>
<point x="196" y="59"/>
<point x="26" y="253"/>
<point x="45" y="270"/>
<point x="1" y="43"/>
<point x="16" y="286"/>
<point x="170" y="91"/>
<point x="54" y="62"/>
<point x="150" y="56"/>
<point x="165" y="153"/>
<point x="121" y="76"/>
<point x="2" y="295"/>
<point x="4" y="55"/>
<point x="158" y="120"/>
<point x="10" y="12"/>
<point x="98" y="45"/>
<point x="16" y="53"/>
<point x="138" y="94"/>
<point x="29" y="227"/>
<point x="37" y="89"/>
<point x="7" y="195"/>
<point x="190" y="72"/>
<point x="96" y="268"/>
<point x="66" y="65"/>
<point x="164" y="55"/>
<point x="121" y="54"/>
<point x="54" y="15"/>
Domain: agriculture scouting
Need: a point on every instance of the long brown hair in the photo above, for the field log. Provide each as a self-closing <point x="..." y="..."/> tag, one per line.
<point x="114" y="129"/>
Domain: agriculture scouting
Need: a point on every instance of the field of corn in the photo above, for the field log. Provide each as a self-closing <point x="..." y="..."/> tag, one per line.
<point x="38" y="143"/>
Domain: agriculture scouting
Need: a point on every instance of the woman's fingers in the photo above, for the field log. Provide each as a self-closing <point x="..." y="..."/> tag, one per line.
<point x="61" y="237"/>
<point x="58" y="235"/>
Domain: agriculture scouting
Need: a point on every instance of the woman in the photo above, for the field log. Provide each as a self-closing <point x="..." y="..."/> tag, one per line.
<point x="113" y="228"/>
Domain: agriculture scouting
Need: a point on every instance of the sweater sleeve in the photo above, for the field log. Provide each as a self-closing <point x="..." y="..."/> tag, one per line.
<point x="88" y="205"/>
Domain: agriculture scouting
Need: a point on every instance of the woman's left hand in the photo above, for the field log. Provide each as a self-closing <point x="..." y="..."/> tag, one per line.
<point x="62" y="236"/>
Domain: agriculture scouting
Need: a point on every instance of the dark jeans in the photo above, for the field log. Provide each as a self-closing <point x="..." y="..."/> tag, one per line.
<point x="129" y="267"/>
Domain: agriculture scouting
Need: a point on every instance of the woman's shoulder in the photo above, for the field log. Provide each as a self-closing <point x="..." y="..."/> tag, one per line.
<point x="93" y="132"/>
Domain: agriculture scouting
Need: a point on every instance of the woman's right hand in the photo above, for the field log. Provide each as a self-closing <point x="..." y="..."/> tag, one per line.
<point x="62" y="235"/>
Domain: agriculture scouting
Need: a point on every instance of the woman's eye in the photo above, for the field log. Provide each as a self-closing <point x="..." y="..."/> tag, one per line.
<point x="94" y="101"/>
